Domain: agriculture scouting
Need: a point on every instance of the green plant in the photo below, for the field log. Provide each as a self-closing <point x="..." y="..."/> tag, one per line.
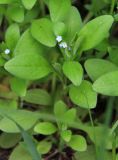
<point x="53" y="66"/>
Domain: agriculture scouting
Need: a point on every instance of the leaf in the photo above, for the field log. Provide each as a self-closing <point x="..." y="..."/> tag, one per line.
<point x="44" y="146"/>
<point x="69" y="116"/>
<point x="16" y="13"/>
<point x="18" y="151"/>
<point x="95" y="31"/>
<point x="107" y="84"/>
<point x="78" y="143"/>
<point x="27" y="44"/>
<point x="60" y="108"/>
<point x="83" y="96"/>
<point x="9" y="140"/>
<point x="59" y="9"/>
<point x="73" y="23"/>
<point x="28" y="4"/>
<point x="98" y="67"/>
<point x="45" y="128"/>
<point x="38" y="96"/>
<point x="42" y="31"/>
<point x="25" y="119"/>
<point x="12" y="35"/>
<point x="73" y="71"/>
<point x="19" y="86"/>
<point x="31" y="66"/>
<point x="66" y="135"/>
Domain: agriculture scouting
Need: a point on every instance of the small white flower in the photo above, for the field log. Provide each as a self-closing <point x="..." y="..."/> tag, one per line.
<point x="63" y="45"/>
<point x="7" y="51"/>
<point x="59" y="38"/>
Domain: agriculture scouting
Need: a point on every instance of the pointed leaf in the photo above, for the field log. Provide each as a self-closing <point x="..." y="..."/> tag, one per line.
<point x="95" y="31"/>
<point x="31" y="67"/>
<point x="107" y="84"/>
<point x="98" y="67"/>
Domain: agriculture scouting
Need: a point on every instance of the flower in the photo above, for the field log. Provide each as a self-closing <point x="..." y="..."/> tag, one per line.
<point x="59" y="38"/>
<point x="7" y="51"/>
<point x="63" y="45"/>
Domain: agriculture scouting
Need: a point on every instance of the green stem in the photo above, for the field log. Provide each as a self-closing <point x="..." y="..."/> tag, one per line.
<point x="42" y="7"/>
<point x="94" y="133"/>
<point x="108" y="117"/>
<point x="53" y="83"/>
<point x="88" y="17"/>
<point x="114" y="147"/>
<point x="112" y="6"/>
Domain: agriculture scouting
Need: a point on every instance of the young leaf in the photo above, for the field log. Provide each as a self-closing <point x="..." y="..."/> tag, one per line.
<point x="100" y="67"/>
<point x="12" y="36"/>
<point x="60" y="108"/>
<point x="38" y="96"/>
<point x="19" y="86"/>
<point x="59" y="9"/>
<point x="83" y="96"/>
<point x="45" y="128"/>
<point x="66" y="135"/>
<point x="95" y="31"/>
<point x="74" y="71"/>
<point x="28" y="4"/>
<point x="107" y="84"/>
<point x="31" y="66"/>
<point x="78" y="143"/>
<point x="16" y="13"/>
<point x="44" y="146"/>
<point x="42" y="31"/>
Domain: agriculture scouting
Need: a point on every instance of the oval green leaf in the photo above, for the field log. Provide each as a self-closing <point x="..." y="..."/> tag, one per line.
<point x="95" y="31"/>
<point x="83" y="96"/>
<point x="42" y="31"/>
<point x="45" y="128"/>
<point x="98" y="67"/>
<point x="78" y="143"/>
<point x="73" y="71"/>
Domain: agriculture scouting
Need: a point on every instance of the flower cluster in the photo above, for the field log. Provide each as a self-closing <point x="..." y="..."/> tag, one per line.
<point x="61" y="44"/>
